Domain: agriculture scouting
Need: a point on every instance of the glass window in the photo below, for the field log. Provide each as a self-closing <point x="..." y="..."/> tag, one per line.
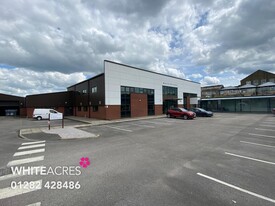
<point x="95" y="108"/>
<point x="263" y="81"/>
<point x="79" y="108"/>
<point x="85" y="109"/>
<point x="94" y="89"/>
<point x="255" y="82"/>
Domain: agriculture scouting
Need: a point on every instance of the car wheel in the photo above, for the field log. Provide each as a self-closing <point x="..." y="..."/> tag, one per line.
<point x="185" y="117"/>
<point x="168" y="115"/>
<point x="39" y="118"/>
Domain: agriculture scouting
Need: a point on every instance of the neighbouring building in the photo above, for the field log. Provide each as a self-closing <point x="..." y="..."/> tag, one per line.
<point x="60" y="101"/>
<point x="259" y="77"/>
<point x="256" y="93"/>
<point x="211" y="91"/>
<point x="12" y="105"/>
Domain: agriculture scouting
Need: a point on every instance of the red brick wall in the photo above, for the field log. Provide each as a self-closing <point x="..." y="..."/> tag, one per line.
<point x="60" y="109"/>
<point x="81" y="113"/>
<point x="158" y="109"/>
<point x="188" y="103"/>
<point x="29" y="112"/>
<point x="112" y="112"/>
<point x="139" y="105"/>
<point x="100" y="114"/>
<point x="23" y="112"/>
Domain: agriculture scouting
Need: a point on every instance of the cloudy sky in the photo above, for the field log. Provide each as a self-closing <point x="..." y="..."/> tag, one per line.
<point x="48" y="45"/>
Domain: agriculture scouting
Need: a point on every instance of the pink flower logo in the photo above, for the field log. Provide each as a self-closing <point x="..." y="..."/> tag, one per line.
<point x="84" y="162"/>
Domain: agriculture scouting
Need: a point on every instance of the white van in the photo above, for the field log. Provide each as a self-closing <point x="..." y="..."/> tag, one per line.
<point x="40" y="114"/>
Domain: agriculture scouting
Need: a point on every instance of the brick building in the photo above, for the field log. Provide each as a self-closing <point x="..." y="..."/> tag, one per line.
<point x="120" y="91"/>
<point x="126" y="91"/>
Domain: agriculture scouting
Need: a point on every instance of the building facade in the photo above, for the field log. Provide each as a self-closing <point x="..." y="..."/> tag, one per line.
<point x="126" y="91"/>
<point x="211" y="91"/>
<point x="256" y="93"/>
<point x="259" y="77"/>
<point x="12" y="105"/>
<point x="60" y="101"/>
<point x="120" y="91"/>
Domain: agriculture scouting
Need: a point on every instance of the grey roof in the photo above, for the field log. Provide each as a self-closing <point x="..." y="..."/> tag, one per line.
<point x="229" y="88"/>
<point x="267" y="84"/>
<point x="247" y="86"/>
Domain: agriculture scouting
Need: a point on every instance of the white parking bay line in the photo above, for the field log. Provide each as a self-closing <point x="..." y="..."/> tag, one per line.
<point x="237" y="188"/>
<point x="271" y="123"/>
<point x="31" y="146"/>
<point x="35" y="204"/>
<point x="10" y="192"/>
<point x="37" y="142"/>
<point x="253" y="143"/>
<point x="29" y="152"/>
<point x="250" y="158"/>
<point x="118" y="128"/>
<point x="24" y="161"/>
<point x="159" y="123"/>
<point x="264" y="125"/>
<point x="263" y="129"/>
<point x="141" y="125"/>
<point x="261" y="135"/>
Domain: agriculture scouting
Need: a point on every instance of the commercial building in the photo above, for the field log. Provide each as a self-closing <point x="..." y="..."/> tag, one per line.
<point x="211" y="91"/>
<point x="120" y="91"/>
<point x="126" y="91"/>
<point x="259" y="77"/>
<point x="12" y="105"/>
<point x="256" y="93"/>
<point x="60" y="101"/>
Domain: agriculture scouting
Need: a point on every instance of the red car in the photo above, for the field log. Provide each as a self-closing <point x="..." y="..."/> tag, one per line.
<point x="181" y="112"/>
<point x="273" y="110"/>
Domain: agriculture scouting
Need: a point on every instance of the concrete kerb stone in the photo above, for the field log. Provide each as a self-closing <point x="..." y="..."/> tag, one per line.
<point x="22" y="132"/>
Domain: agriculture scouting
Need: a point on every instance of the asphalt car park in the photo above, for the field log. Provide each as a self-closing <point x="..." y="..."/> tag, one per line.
<point x="232" y="162"/>
<point x="228" y="159"/>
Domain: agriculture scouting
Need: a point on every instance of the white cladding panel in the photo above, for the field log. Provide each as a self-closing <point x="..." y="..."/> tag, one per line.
<point x="117" y="75"/>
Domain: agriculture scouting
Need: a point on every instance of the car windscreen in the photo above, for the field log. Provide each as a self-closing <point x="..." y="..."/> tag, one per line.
<point x="202" y="110"/>
<point x="182" y="109"/>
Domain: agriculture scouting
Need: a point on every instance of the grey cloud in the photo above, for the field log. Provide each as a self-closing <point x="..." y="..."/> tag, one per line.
<point x="141" y="8"/>
<point x="238" y="37"/>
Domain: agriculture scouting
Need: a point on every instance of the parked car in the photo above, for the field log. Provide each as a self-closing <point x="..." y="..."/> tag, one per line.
<point x="273" y="110"/>
<point x="181" y="112"/>
<point x="202" y="112"/>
